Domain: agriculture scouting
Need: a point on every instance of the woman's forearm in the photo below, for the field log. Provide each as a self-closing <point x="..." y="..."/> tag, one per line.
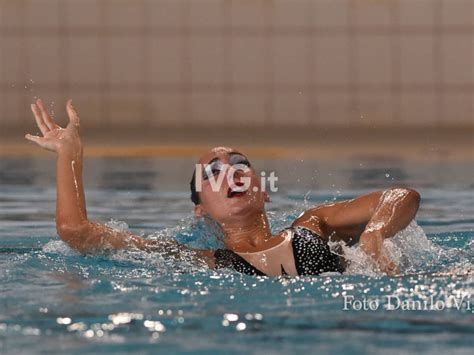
<point x="71" y="218"/>
<point x="395" y="210"/>
<point x="71" y="205"/>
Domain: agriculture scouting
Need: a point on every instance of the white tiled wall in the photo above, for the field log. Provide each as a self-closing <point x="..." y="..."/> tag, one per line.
<point x="418" y="109"/>
<point x="290" y="58"/>
<point x="246" y="13"/>
<point x="247" y="109"/>
<point x="163" y="109"/>
<point x="372" y="13"/>
<point x="416" y="13"/>
<point x="82" y="13"/>
<point x="457" y="59"/>
<point x="277" y="63"/>
<point x="206" y="13"/>
<point x="334" y="109"/>
<point x="165" y="58"/>
<point x="377" y="108"/>
<point x="291" y="107"/>
<point x="206" y="64"/>
<point x="292" y="13"/>
<point x="44" y="58"/>
<point x="458" y="12"/>
<point x="374" y="60"/>
<point x="332" y="60"/>
<point x="417" y="59"/>
<point x="125" y="60"/>
<point x="127" y="109"/>
<point x="329" y="13"/>
<point x="167" y="13"/>
<point x="459" y="104"/>
<point x="84" y="54"/>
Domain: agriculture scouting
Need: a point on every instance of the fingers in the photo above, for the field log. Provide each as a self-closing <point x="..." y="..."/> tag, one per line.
<point x="39" y="119"/>
<point x="45" y="115"/>
<point x="42" y="142"/>
<point x="73" y="116"/>
<point x="34" y="139"/>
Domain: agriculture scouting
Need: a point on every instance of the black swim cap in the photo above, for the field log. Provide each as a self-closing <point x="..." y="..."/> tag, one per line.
<point x="194" y="193"/>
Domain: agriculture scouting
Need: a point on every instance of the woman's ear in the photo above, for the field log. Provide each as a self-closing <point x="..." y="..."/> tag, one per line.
<point x="198" y="211"/>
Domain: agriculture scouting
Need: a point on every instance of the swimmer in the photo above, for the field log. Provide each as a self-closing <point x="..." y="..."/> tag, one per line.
<point x="251" y="248"/>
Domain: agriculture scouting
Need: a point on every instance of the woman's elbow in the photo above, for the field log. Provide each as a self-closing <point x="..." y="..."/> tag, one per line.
<point x="411" y="199"/>
<point x="407" y="200"/>
<point x="73" y="235"/>
<point x="414" y="198"/>
<point x="67" y="231"/>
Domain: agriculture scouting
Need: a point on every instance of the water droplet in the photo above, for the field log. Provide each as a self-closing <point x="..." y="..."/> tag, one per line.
<point x="65" y="320"/>
<point x="231" y="317"/>
<point x="241" y="326"/>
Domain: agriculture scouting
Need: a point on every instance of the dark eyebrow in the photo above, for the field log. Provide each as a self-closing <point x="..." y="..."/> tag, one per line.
<point x="230" y="153"/>
<point x="213" y="160"/>
<point x="237" y="153"/>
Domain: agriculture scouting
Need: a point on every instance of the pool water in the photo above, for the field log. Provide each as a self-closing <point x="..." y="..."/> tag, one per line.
<point x="53" y="300"/>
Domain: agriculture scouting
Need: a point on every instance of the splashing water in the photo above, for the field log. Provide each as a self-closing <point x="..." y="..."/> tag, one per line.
<point x="411" y="250"/>
<point x="119" y="226"/>
<point x="140" y="302"/>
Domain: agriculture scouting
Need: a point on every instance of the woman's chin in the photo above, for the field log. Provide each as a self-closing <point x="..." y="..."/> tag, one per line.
<point x="242" y="208"/>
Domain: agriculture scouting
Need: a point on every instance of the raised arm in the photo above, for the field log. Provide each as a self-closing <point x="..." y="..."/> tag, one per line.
<point x="368" y="219"/>
<point x="72" y="223"/>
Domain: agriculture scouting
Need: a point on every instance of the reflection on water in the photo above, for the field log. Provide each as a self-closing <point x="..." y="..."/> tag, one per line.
<point x="71" y="283"/>
<point x="389" y="173"/>
<point x="138" y="302"/>
<point x="130" y="174"/>
<point x="18" y="171"/>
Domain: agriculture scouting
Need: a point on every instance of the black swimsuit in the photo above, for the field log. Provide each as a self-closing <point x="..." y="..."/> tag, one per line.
<point x="312" y="256"/>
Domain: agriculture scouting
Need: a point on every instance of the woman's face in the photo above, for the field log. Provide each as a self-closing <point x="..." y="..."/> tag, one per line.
<point x="228" y="187"/>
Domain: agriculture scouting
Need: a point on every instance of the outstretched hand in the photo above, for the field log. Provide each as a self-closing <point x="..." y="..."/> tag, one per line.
<point x="55" y="138"/>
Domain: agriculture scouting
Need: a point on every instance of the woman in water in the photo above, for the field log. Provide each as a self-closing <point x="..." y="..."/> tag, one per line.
<point x="251" y="248"/>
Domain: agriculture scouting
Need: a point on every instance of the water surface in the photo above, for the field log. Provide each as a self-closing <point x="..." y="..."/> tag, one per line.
<point x="53" y="300"/>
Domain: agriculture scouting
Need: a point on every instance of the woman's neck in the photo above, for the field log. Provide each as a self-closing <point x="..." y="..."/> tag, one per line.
<point x="251" y="233"/>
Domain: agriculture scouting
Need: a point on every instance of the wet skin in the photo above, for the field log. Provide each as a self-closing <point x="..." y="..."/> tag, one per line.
<point x="367" y="220"/>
